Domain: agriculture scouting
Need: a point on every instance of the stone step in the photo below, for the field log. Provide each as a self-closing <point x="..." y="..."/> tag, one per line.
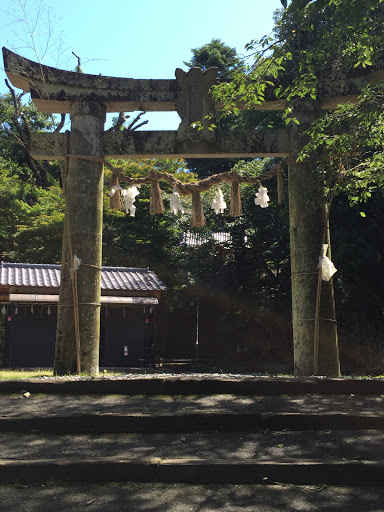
<point x="170" y="385"/>
<point x="190" y="422"/>
<point x="194" y="471"/>
<point x="177" y="429"/>
<point x="258" y="446"/>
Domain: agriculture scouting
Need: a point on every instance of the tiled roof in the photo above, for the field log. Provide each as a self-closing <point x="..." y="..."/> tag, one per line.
<point x="112" y="278"/>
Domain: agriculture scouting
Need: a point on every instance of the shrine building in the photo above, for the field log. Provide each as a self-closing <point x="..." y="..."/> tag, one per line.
<point x="29" y="297"/>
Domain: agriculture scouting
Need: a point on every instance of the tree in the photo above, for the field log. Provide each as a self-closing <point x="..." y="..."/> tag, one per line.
<point x="29" y="216"/>
<point x="216" y="54"/>
<point x="312" y="42"/>
<point x="17" y="121"/>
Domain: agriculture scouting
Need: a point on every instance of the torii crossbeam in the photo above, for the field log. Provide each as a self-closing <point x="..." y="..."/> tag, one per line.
<point x="87" y="98"/>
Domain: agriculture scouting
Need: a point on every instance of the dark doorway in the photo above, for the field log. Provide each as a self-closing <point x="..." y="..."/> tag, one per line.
<point x="31" y="336"/>
<point x="123" y="340"/>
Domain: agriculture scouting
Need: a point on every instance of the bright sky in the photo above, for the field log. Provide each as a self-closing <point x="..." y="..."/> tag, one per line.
<point x="133" y="38"/>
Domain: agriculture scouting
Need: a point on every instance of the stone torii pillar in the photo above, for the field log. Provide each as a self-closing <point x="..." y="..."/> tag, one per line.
<point x="308" y="222"/>
<point x="79" y="302"/>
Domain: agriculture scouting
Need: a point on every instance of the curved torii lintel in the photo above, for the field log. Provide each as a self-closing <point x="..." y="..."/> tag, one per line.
<point x="54" y="90"/>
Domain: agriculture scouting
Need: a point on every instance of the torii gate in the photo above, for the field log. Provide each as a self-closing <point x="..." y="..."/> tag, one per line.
<point x="87" y="98"/>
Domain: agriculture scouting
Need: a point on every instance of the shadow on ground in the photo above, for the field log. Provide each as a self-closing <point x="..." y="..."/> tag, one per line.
<point x="191" y="498"/>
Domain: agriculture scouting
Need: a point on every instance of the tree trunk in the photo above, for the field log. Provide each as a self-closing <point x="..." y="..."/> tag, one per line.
<point x="82" y="237"/>
<point x="308" y="227"/>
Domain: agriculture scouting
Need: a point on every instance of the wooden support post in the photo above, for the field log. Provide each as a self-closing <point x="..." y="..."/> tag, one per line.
<point x="308" y="224"/>
<point x="82" y="238"/>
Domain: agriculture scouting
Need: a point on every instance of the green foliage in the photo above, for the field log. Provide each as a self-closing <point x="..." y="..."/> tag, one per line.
<point x="143" y="240"/>
<point x="11" y="146"/>
<point x="29" y="218"/>
<point x="313" y="42"/>
<point x="216" y="54"/>
<point x="349" y="144"/>
<point x="17" y="121"/>
<point x="252" y="263"/>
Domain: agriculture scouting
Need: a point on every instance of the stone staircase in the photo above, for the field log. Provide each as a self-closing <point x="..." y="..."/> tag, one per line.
<point x="193" y="430"/>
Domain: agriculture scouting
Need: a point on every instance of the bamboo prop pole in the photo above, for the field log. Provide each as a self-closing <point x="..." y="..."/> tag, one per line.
<point x="326" y="239"/>
<point x="75" y="309"/>
<point x="316" y="336"/>
<point x="73" y="271"/>
<point x="280" y="187"/>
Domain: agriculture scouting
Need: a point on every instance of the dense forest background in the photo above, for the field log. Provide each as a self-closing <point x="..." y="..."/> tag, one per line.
<point x="234" y="274"/>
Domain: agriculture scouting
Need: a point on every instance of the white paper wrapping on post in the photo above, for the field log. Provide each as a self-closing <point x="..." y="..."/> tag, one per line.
<point x="262" y="197"/>
<point x="128" y="197"/>
<point x="326" y="265"/>
<point x="76" y="262"/>
<point x="175" y="203"/>
<point x="218" y="203"/>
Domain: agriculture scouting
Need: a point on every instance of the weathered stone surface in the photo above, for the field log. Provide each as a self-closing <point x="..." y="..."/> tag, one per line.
<point x="164" y="144"/>
<point x="53" y="90"/>
<point x="82" y="237"/>
<point x="308" y="224"/>
<point x="48" y="146"/>
<point x="239" y="144"/>
<point x="141" y="144"/>
<point x="194" y="103"/>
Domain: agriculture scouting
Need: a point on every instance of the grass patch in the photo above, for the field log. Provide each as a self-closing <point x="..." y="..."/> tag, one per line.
<point x="38" y="373"/>
<point x="24" y="374"/>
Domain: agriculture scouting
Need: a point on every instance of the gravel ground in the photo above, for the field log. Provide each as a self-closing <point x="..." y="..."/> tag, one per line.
<point x="153" y="497"/>
<point x="18" y="404"/>
<point x="152" y="374"/>
<point x="279" y="445"/>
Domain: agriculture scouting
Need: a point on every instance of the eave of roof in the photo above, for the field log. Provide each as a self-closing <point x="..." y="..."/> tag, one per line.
<point x="30" y="298"/>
